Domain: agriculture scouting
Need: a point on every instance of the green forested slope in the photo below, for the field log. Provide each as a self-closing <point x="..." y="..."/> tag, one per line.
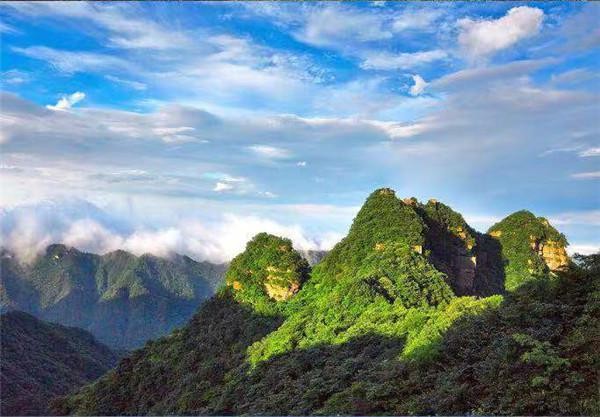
<point x="42" y="360"/>
<point x="375" y="328"/>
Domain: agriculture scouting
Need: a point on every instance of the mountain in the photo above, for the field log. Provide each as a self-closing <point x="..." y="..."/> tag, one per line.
<point x="413" y="312"/>
<point x="531" y="247"/>
<point x="42" y="360"/>
<point x="122" y="299"/>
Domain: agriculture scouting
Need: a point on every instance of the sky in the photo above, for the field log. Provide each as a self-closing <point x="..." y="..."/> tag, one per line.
<point x="189" y="127"/>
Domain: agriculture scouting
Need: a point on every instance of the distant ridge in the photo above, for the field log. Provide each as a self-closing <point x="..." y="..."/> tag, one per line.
<point x="122" y="299"/>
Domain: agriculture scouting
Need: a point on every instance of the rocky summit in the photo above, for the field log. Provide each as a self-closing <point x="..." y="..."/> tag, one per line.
<point x="413" y="312"/>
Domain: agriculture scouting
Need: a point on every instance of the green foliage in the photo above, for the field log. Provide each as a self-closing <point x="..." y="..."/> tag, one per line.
<point x="401" y="275"/>
<point x="394" y="293"/>
<point x="267" y="260"/>
<point x="382" y="218"/>
<point x="540" y="354"/>
<point x="42" y="360"/>
<point x="517" y="234"/>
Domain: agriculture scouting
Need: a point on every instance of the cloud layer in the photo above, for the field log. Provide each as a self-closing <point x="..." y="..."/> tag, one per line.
<point x="281" y="111"/>
<point x="27" y="230"/>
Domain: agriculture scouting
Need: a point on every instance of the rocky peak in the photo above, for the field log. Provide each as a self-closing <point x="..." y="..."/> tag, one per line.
<point x="552" y="252"/>
<point x="530" y="246"/>
<point x="269" y="269"/>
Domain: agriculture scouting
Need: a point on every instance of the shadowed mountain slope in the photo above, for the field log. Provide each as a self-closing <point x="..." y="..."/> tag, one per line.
<point x="42" y="360"/>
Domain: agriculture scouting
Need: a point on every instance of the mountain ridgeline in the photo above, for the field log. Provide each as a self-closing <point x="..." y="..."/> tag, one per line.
<point x="413" y="312"/>
<point x="122" y="299"/>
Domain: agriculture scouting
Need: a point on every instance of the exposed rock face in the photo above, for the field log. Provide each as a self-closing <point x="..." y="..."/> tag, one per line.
<point x="386" y="191"/>
<point x="418" y="249"/>
<point x="450" y="242"/>
<point x="281" y="292"/>
<point x="281" y="285"/>
<point x="555" y="255"/>
<point x="552" y="252"/>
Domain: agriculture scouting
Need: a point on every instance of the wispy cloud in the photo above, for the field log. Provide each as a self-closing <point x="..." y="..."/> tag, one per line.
<point x="592" y="175"/>
<point x="590" y="152"/>
<point x="136" y="85"/>
<point x="66" y="102"/>
<point x="407" y="60"/>
<point x="271" y="152"/>
<point x="71" y="62"/>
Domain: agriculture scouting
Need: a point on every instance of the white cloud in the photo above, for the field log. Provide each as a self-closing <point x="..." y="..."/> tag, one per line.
<point x="124" y="25"/>
<point x="222" y="186"/>
<point x="586" y="175"/>
<point x="481" y="38"/>
<point x="583" y="249"/>
<point x="268" y="194"/>
<point x="6" y="28"/>
<point x="175" y="134"/>
<point x="332" y="25"/>
<point x="418" y="86"/>
<point x="588" y="218"/>
<point x="27" y="230"/>
<point x="271" y="152"/>
<point x="301" y="163"/>
<point x="590" y="152"/>
<point x="66" y="102"/>
<point x="388" y="61"/>
<point x="136" y="85"/>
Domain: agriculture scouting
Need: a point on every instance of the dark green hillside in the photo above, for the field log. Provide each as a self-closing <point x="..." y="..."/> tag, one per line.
<point x="183" y="373"/>
<point x="377" y="327"/>
<point x="122" y="299"/>
<point x="534" y="353"/>
<point x="42" y="360"/>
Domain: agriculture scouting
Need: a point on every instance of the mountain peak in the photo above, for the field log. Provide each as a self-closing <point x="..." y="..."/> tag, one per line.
<point x="269" y="270"/>
<point x="530" y="245"/>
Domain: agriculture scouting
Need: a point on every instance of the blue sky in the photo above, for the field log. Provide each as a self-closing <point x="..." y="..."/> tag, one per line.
<point x="191" y="126"/>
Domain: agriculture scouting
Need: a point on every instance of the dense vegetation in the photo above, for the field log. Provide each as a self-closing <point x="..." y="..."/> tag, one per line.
<point x="383" y="218"/>
<point x="376" y="328"/>
<point x="518" y="234"/>
<point x="42" y="360"/>
<point x="269" y="270"/>
<point x="120" y="298"/>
